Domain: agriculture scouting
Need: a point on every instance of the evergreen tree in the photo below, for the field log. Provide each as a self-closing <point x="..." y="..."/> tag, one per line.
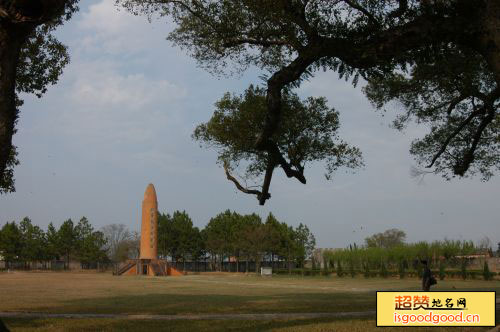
<point x="11" y="243"/>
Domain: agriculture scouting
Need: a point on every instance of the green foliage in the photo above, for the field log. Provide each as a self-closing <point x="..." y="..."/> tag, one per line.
<point x="11" y="242"/>
<point x="388" y="239"/>
<point x="7" y="178"/>
<point x="305" y="243"/>
<point x="308" y="132"/>
<point x="404" y="259"/>
<point x="67" y="239"/>
<point x="29" y="243"/>
<point x="90" y="245"/>
<point x="177" y="237"/>
<point x="444" y="94"/>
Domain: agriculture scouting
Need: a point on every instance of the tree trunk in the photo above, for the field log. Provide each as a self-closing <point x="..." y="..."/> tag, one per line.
<point x="289" y="262"/>
<point x="257" y="264"/>
<point x="12" y="38"/>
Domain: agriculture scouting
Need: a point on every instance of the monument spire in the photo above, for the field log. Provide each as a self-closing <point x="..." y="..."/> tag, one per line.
<point x="149" y="224"/>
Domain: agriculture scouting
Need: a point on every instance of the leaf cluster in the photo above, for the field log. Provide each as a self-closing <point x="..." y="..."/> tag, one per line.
<point x="308" y="132"/>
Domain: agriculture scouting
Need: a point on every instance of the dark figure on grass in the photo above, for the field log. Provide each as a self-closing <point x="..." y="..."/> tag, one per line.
<point x="427" y="279"/>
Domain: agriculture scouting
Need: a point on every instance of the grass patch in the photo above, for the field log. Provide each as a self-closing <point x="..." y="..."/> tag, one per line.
<point x="310" y="325"/>
<point x="102" y="293"/>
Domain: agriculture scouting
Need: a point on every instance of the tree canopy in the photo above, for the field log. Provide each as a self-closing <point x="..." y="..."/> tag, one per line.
<point x="308" y="132"/>
<point x="439" y="60"/>
<point x="388" y="239"/>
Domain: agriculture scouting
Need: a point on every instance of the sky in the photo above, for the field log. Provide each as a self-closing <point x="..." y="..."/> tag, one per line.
<point x="122" y="114"/>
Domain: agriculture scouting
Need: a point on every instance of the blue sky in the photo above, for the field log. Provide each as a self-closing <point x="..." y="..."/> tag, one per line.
<point x="122" y="114"/>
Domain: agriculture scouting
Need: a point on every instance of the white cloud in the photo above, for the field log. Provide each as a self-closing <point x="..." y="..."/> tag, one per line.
<point x="112" y="30"/>
<point x="100" y="85"/>
<point x="111" y="109"/>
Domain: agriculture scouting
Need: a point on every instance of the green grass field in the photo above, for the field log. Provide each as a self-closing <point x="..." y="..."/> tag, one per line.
<point x="102" y="293"/>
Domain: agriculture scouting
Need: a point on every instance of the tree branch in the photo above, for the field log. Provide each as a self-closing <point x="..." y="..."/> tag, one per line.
<point x="261" y="42"/>
<point x="260" y="195"/>
<point x="403" y="6"/>
<point x="363" y="10"/>
<point x="455" y="102"/>
<point x="455" y="133"/>
<point x="461" y="167"/>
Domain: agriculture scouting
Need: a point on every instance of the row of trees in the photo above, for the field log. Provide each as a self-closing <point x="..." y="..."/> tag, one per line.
<point x="28" y="243"/>
<point x="228" y="237"/>
<point x="448" y="257"/>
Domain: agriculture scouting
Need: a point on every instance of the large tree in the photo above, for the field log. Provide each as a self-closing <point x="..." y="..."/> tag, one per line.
<point x="118" y="239"/>
<point x="439" y="59"/>
<point x="11" y="243"/>
<point x="388" y="239"/>
<point x="31" y="58"/>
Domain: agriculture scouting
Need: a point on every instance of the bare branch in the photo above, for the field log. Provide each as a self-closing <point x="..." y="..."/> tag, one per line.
<point x="231" y="178"/>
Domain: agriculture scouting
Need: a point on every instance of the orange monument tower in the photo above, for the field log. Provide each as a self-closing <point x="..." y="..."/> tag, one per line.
<point x="148" y="262"/>
<point x="149" y="224"/>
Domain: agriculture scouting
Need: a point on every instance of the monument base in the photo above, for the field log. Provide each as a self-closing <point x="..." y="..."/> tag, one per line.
<point x="149" y="267"/>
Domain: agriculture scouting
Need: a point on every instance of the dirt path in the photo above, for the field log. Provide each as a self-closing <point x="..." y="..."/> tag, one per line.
<point x="193" y="317"/>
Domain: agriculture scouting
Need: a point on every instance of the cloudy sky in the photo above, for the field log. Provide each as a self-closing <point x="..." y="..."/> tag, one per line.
<point x="122" y="115"/>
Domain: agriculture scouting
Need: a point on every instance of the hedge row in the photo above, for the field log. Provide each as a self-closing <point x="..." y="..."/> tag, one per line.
<point x="475" y="274"/>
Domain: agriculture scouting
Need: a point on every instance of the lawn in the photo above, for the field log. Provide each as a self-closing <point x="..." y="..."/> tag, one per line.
<point x="102" y="293"/>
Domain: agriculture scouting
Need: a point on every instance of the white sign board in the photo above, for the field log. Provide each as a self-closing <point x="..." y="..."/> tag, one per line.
<point x="266" y="271"/>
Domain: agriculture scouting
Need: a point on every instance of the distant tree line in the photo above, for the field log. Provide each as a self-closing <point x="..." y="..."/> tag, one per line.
<point x="26" y="243"/>
<point x="386" y="254"/>
<point x="229" y="237"/>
